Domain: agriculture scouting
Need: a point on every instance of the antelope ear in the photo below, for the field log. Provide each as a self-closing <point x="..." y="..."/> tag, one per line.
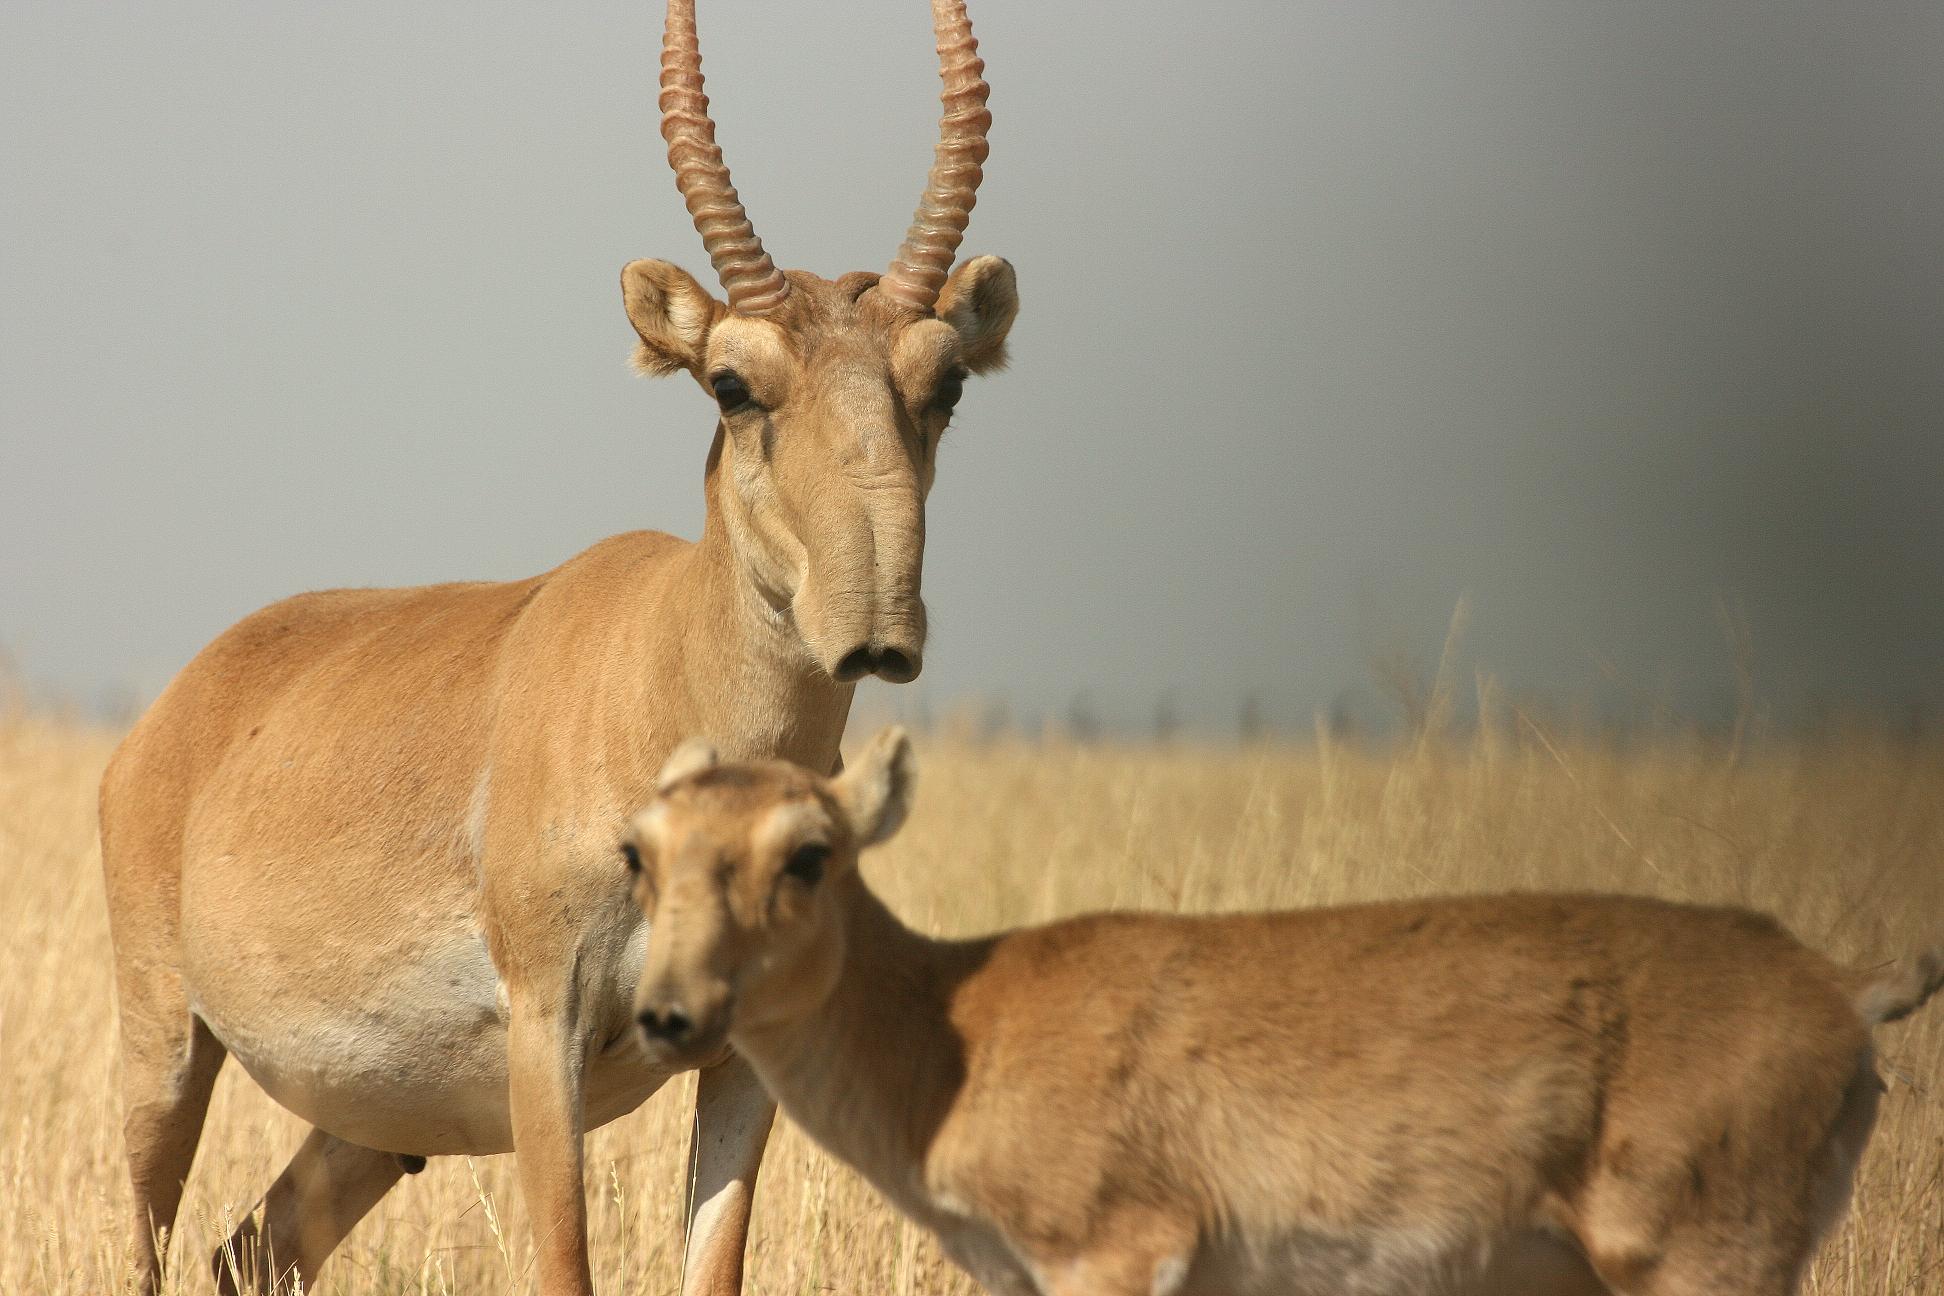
<point x="876" y="791"/>
<point x="673" y="315"/>
<point x="692" y="757"/>
<point x="979" y="301"/>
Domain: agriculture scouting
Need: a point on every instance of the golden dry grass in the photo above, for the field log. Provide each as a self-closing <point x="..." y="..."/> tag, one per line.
<point x="1845" y="841"/>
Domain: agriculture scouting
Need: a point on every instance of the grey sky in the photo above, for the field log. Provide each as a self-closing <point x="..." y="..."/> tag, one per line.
<point x="1595" y="312"/>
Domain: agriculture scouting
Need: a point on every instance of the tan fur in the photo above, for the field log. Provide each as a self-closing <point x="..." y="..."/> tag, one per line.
<point x="366" y="841"/>
<point x="1508" y="1094"/>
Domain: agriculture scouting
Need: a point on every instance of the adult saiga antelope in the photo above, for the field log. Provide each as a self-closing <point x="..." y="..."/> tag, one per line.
<point x="364" y="842"/>
<point x="1511" y="1095"/>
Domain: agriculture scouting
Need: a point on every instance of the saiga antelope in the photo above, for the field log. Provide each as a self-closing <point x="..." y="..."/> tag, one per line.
<point x="1508" y="1094"/>
<point x="362" y="843"/>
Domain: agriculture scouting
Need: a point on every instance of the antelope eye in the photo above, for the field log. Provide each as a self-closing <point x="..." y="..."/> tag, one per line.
<point x="806" y="863"/>
<point x="730" y="391"/>
<point x="950" y="388"/>
<point x="631" y="857"/>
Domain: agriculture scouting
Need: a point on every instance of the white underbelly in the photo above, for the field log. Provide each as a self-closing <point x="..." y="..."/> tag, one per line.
<point x="401" y="1049"/>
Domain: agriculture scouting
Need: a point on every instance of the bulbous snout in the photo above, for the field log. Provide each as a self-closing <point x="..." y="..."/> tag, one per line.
<point x="870" y="632"/>
<point x="858" y="604"/>
<point x="870" y="621"/>
<point x="889" y="662"/>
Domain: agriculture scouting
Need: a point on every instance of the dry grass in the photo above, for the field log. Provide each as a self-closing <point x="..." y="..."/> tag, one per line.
<point x="1844" y="841"/>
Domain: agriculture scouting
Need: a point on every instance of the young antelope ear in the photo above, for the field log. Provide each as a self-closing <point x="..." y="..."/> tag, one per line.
<point x="979" y="301"/>
<point x="876" y="791"/>
<point x="672" y="313"/>
<point x="692" y="757"/>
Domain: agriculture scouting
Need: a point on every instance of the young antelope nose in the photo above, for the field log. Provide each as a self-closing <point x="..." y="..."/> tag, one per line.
<point x="667" y="1023"/>
<point x="893" y="665"/>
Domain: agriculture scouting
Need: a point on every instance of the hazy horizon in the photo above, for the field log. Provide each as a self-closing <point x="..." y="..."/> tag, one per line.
<point x="1602" y="319"/>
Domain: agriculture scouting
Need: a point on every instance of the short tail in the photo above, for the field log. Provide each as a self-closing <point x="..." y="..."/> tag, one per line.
<point x="1899" y="990"/>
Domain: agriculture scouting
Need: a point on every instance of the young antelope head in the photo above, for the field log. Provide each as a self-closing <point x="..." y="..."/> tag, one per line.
<point x="745" y="872"/>
<point x="833" y="393"/>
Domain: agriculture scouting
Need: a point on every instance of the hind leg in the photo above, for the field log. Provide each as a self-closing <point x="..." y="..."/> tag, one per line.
<point x="1730" y="1244"/>
<point x="326" y="1189"/>
<point x="169" y="1066"/>
<point x="1741" y="1215"/>
<point x="1715" y="1227"/>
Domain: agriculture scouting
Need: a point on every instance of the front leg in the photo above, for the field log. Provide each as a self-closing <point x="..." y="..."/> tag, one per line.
<point x="733" y="1115"/>
<point x="545" y="1061"/>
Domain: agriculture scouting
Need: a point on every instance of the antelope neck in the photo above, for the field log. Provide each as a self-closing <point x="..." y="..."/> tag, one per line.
<point x="872" y="1073"/>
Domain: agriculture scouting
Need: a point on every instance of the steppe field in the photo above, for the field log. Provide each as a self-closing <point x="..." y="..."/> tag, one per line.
<point x="1842" y="838"/>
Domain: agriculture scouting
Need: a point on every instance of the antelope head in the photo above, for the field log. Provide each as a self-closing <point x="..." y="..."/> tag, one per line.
<point x="833" y="393"/>
<point x="746" y="873"/>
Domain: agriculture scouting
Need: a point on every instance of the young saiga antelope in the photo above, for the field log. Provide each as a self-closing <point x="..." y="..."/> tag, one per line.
<point x="1509" y="1094"/>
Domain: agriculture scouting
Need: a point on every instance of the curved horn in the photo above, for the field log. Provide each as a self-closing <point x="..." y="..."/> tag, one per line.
<point x="754" y="284"/>
<point x="918" y="271"/>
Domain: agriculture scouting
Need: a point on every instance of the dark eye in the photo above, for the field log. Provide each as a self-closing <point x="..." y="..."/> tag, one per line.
<point x="806" y="863"/>
<point x="631" y="857"/>
<point x="950" y="388"/>
<point x="730" y="391"/>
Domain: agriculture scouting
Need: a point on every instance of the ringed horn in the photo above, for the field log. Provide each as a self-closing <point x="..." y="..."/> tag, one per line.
<point x="754" y="285"/>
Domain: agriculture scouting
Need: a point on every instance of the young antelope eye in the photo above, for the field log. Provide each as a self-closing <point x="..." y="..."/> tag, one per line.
<point x="950" y="388"/>
<point x="730" y="391"/>
<point x="631" y="857"/>
<point x="806" y="863"/>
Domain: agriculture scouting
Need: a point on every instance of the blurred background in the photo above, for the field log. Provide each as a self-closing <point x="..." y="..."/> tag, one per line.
<point x="1611" y="334"/>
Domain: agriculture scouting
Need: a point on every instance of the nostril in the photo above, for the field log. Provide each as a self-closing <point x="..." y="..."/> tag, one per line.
<point x="896" y="667"/>
<point x="670" y="1024"/>
<point x="857" y="663"/>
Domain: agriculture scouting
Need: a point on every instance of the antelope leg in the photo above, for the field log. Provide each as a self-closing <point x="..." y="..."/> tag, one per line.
<point x="326" y="1189"/>
<point x="732" y="1125"/>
